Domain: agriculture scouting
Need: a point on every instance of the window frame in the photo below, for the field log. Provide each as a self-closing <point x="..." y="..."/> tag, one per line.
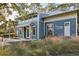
<point x="32" y="30"/>
<point x="52" y="28"/>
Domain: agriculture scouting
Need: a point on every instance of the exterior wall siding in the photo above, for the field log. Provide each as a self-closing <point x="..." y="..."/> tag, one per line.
<point x="59" y="26"/>
<point x="20" y="33"/>
<point x="41" y="26"/>
<point x="61" y="17"/>
<point x="20" y="29"/>
<point x="41" y="30"/>
<point x="34" y="23"/>
<point x="58" y="22"/>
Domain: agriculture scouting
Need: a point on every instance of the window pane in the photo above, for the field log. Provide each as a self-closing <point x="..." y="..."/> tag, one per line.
<point x="33" y="30"/>
<point x="66" y="24"/>
<point x="27" y="32"/>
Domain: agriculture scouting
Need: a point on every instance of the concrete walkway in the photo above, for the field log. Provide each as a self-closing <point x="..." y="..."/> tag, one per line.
<point x="17" y="40"/>
<point x="7" y="41"/>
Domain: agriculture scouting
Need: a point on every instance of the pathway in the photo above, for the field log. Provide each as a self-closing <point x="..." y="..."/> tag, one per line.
<point x="7" y="41"/>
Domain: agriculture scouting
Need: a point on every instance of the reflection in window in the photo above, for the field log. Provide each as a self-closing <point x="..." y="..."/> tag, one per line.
<point x="50" y="29"/>
<point x="66" y="24"/>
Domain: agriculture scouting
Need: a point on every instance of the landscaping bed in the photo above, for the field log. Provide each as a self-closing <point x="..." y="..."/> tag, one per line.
<point x="45" y="47"/>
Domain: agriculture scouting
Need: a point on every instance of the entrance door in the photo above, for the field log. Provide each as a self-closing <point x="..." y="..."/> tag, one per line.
<point x="67" y="29"/>
<point x="50" y="29"/>
<point x="27" y="32"/>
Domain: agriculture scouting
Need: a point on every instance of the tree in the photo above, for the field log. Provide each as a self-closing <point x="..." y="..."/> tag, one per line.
<point x="5" y="11"/>
<point x="19" y="7"/>
<point x="35" y="7"/>
<point x="68" y="6"/>
<point x="51" y="7"/>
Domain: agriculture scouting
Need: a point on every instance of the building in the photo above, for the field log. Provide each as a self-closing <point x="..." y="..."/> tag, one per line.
<point x="56" y="23"/>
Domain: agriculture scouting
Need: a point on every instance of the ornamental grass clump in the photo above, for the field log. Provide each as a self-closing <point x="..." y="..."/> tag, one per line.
<point x="64" y="47"/>
<point x="7" y="52"/>
<point x="45" y="47"/>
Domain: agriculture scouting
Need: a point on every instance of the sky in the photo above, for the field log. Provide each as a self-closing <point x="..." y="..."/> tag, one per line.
<point x="44" y="4"/>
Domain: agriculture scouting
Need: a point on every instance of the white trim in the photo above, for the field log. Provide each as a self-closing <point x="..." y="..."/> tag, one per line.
<point x="58" y="18"/>
<point x="76" y="25"/>
<point x="38" y="27"/>
<point x="64" y="27"/>
<point x="35" y="31"/>
<point x="52" y="28"/>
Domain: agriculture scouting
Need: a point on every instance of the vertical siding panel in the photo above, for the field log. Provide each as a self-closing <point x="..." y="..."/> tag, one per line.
<point x="41" y="26"/>
<point x="59" y="27"/>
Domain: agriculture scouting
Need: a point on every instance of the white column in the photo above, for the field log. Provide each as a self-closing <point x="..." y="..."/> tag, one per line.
<point x="38" y="27"/>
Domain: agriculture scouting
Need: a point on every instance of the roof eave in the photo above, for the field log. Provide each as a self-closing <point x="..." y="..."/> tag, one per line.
<point x="60" y="13"/>
<point x="26" y="16"/>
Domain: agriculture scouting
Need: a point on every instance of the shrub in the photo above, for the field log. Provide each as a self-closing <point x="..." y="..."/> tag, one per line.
<point x="44" y="48"/>
<point x="64" y="47"/>
<point x="18" y="48"/>
<point x="6" y="52"/>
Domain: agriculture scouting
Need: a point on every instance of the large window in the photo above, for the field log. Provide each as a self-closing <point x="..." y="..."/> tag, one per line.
<point x="34" y="30"/>
<point x="50" y="29"/>
<point x="20" y="31"/>
<point x="27" y="32"/>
